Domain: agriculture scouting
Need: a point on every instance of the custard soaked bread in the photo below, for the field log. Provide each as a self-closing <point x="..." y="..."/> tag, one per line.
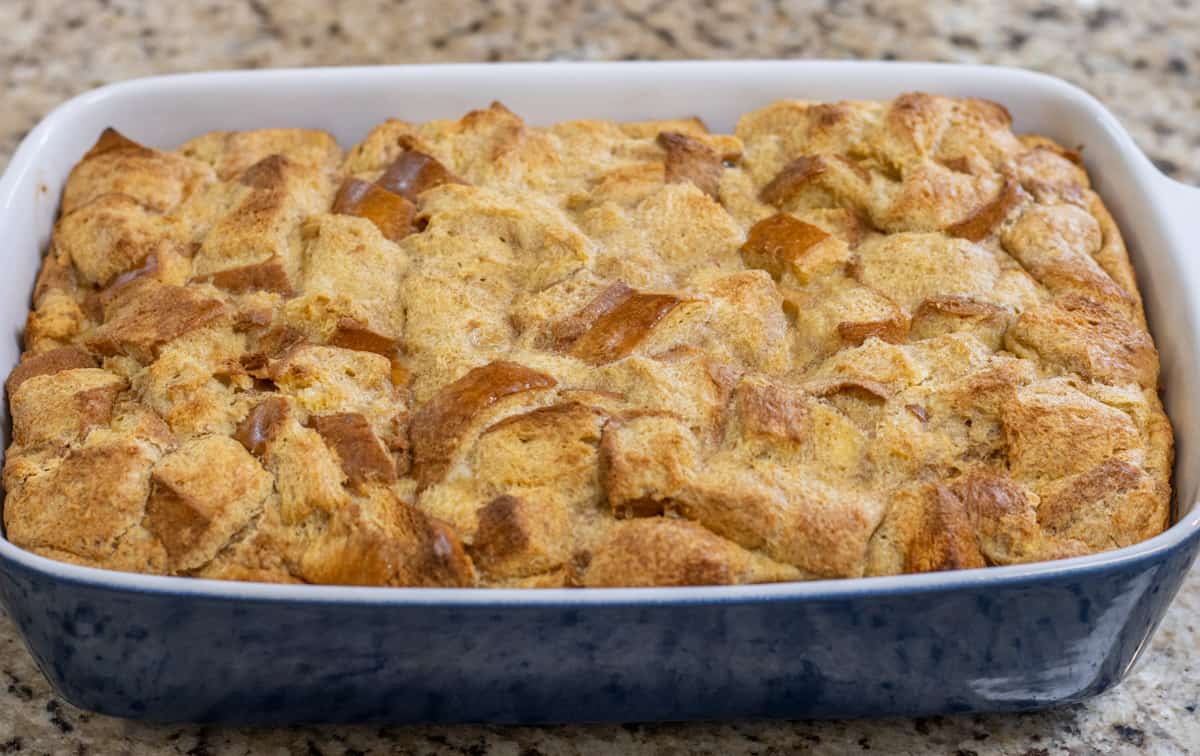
<point x="849" y="339"/>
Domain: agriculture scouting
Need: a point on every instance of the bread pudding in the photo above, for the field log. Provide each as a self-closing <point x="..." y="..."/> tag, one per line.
<point x="849" y="339"/>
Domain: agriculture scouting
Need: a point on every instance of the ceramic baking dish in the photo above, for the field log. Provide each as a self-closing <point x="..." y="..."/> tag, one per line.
<point x="1002" y="638"/>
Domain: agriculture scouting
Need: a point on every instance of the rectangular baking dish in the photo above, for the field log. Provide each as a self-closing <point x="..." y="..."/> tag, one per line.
<point x="1005" y="638"/>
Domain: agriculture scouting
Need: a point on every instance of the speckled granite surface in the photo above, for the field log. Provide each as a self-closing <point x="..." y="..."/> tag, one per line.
<point x="1140" y="59"/>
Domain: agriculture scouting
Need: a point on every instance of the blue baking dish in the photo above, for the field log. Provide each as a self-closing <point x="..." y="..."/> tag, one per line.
<point x="996" y="639"/>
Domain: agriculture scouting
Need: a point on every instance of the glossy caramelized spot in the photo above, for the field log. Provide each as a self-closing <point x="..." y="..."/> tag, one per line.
<point x="362" y="454"/>
<point x="566" y="331"/>
<point x="48" y="363"/>
<point x="414" y="172"/>
<point x="401" y="375"/>
<point x="395" y="438"/>
<point x="690" y="160"/>
<point x="791" y="177"/>
<point x="268" y="275"/>
<point x="353" y="334"/>
<point x="350" y="195"/>
<point x="391" y="213"/>
<point x="261" y="424"/>
<point x="978" y="226"/>
<point x="439" y="424"/>
<point x="618" y="331"/>
<point x="92" y="306"/>
<point x="776" y="241"/>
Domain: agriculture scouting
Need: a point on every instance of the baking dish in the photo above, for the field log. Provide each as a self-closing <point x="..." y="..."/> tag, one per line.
<point x="1002" y="638"/>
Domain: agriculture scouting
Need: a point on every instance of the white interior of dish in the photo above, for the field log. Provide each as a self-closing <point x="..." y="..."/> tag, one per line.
<point x="1150" y="209"/>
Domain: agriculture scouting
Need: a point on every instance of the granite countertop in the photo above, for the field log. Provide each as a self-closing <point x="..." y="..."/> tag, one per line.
<point x="1142" y="60"/>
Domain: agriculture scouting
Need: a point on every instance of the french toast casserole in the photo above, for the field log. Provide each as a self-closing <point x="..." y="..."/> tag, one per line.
<point x="850" y="339"/>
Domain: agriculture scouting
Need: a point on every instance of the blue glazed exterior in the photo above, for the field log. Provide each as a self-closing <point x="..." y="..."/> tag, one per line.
<point x="1021" y="643"/>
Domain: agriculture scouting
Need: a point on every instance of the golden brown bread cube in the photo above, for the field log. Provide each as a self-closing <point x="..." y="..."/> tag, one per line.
<point x="382" y="540"/>
<point x="256" y="243"/>
<point x="117" y="165"/>
<point x="110" y="235"/>
<point x="619" y="329"/>
<point x="59" y="408"/>
<point x="413" y="173"/>
<point x="391" y="213"/>
<point x="780" y="243"/>
<point x="646" y="462"/>
<point x="853" y="338"/>
<point x="691" y="160"/>
<point x="145" y="316"/>
<point x="87" y="506"/>
<point x="327" y="379"/>
<point x="202" y="494"/>
<point x="440" y="423"/>
<point x="362" y="455"/>
<point x="350" y="284"/>
<point x="520" y="537"/>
